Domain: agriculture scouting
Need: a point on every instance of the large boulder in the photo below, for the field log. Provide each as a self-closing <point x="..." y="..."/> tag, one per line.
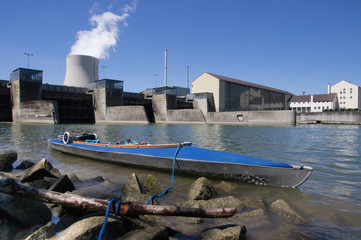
<point x="133" y="186"/>
<point x="134" y="191"/>
<point x="284" y="210"/>
<point x="253" y="202"/>
<point x="7" y="159"/>
<point x="74" y="178"/>
<point x="225" y="232"/>
<point x="25" y="165"/>
<point x="224" y="202"/>
<point x="97" y="194"/>
<point x="62" y="185"/>
<point x="251" y="219"/>
<point x="201" y="189"/>
<point x="89" y="229"/>
<point x="44" y="183"/>
<point x="40" y="170"/>
<point x="24" y="212"/>
<point x="45" y="232"/>
<point x="227" y="187"/>
<point x="153" y="185"/>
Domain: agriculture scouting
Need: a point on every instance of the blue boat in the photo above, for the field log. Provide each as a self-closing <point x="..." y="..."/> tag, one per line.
<point x="189" y="160"/>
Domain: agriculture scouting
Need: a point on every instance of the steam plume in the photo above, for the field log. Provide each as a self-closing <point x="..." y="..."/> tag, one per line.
<point x="103" y="36"/>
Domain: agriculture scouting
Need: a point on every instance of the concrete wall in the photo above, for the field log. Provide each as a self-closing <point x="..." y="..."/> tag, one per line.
<point x="162" y="103"/>
<point x="127" y="114"/>
<point x="37" y="111"/>
<point x="330" y="117"/>
<point x="100" y="108"/>
<point x="186" y="115"/>
<point x="283" y="117"/>
<point x="5" y="102"/>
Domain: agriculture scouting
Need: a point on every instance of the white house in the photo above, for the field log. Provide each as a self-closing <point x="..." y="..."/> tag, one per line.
<point x="314" y="103"/>
<point x="349" y="95"/>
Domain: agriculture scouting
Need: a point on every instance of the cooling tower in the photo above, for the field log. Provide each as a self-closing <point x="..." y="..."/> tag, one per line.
<point x="81" y="70"/>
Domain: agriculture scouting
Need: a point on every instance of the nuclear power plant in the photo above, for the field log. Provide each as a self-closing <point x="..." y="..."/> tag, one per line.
<point x="81" y="70"/>
<point x="84" y="98"/>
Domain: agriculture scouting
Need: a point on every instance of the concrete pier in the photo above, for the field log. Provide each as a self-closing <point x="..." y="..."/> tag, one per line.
<point x="337" y="117"/>
<point x="5" y="103"/>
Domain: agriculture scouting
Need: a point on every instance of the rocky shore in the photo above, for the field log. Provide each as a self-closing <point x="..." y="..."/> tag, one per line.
<point x="22" y="218"/>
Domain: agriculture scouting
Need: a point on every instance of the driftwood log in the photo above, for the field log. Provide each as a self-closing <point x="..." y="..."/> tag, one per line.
<point x="128" y="209"/>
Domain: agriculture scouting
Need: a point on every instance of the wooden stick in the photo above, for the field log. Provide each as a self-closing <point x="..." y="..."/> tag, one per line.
<point x="10" y="186"/>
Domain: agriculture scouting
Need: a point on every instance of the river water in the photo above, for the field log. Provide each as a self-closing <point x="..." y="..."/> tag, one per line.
<point x="330" y="200"/>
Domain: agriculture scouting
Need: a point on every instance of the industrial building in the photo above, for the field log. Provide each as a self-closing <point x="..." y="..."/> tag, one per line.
<point x="236" y="95"/>
<point x="349" y="95"/>
<point x="314" y="103"/>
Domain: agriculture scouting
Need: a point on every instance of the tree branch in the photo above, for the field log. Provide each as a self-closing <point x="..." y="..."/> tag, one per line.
<point x="10" y="186"/>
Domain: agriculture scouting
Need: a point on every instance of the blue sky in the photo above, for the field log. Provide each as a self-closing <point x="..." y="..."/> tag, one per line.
<point x="293" y="45"/>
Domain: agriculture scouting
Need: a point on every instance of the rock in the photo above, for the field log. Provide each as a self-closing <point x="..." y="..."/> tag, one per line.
<point x="251" y="219"/>
<point x="24" y="212"/>
<point x="99" y="179"/>
<point x="224" y="202"/>
<point x="74" y="178"/>
<point x="253" y="202"/>
<point x="89" y="228"/>
<point x="150" y="233"/>
<point x="133" y="186"/>
<point x="97" y="194"/>
<point x="282" y="208"/>
<point x="134" y="191"/>
<point x="226" y="186"/>
<point x="44" y="183"/>
<point x="7" y="159"/>
<point x="72" y="216"/>
<point x="153" y="185"/>
<point x="62" y="185"/>
<point x="45" y="232"/>
<point x="225" y="232"/>
<point x="8" y="227"/>
<point x="40" y="170"/>
<point x="25" y="165"/>
<point x="201" y="189"/>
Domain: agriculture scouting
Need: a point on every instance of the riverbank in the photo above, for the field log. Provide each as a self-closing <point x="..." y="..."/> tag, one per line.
<point x="59" y="221"/>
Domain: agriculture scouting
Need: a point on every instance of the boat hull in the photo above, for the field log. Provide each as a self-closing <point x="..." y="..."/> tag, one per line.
<point x="195" y="161"/>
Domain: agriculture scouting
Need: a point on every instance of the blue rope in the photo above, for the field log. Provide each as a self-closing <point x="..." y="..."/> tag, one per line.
<point x="171" y="184"/>
<point x="106" y="216"/>
<point x="153" y="196"/>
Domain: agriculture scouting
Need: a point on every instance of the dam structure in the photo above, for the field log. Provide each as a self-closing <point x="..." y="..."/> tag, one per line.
<point x="84" y="98"/>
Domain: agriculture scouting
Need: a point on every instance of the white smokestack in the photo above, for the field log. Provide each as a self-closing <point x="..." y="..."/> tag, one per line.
<point x="81" y="70"/>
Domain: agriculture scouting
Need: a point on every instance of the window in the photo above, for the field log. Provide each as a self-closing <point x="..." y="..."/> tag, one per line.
<point x="350" y="97"/>
<point x="344" y="90"/>
<point x="340" y="92"/>
<point x="350" y="90"/>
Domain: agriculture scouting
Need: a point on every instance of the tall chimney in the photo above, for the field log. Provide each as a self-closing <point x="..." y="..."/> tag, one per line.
<point x="329" y="89"/>
<point x="81" y="70"/>
<point x="165" y="68"/>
